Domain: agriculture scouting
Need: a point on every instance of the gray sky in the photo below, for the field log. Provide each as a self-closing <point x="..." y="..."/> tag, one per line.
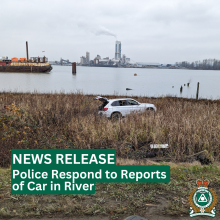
<point x="162" y="31"/>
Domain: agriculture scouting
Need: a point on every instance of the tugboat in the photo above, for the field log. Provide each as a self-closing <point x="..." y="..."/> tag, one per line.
<point x="32" y="65"/>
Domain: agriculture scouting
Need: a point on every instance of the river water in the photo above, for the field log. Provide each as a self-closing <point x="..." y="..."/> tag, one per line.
<point x="108" y="80"/>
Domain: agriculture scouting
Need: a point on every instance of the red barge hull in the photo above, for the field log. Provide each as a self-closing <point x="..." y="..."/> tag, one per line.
<point x="26" y="69"/>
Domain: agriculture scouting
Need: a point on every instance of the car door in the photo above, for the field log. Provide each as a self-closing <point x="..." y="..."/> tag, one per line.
<point x="134" y="105"/>
<point x="123" y="107"/>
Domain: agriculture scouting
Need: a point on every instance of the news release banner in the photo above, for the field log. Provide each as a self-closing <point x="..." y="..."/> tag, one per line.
<point x="75" y="171"/>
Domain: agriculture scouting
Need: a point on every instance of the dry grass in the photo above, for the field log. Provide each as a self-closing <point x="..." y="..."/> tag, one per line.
<point x="71" y="121"/>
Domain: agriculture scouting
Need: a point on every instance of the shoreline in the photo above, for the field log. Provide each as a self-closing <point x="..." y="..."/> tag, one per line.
<point x="174" y="68"/>
<point x="112" y="96"/>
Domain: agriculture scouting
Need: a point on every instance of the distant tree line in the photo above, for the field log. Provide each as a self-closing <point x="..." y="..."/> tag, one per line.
<point x="207" y="64"/>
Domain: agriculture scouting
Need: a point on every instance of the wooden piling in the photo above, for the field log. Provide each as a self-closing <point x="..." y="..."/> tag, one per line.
<point x="197" y="93"/>
<point x="74" y="67"/>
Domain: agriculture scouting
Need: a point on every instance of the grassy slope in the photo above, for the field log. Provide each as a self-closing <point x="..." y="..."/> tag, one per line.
<point x="70" y="121"/>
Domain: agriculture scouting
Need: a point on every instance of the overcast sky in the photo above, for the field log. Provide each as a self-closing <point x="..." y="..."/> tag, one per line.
<point x="163" y="31"/>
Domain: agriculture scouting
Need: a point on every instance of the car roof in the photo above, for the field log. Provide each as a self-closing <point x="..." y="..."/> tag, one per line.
<point x="121" y="99"/>
<point x="103" y="99"/>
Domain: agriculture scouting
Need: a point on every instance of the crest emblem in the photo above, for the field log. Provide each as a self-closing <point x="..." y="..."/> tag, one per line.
<point x="202" y="200"/>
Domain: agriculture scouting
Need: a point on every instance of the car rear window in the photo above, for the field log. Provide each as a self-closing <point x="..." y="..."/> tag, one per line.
<point x="123" y="102"/>
<point x="115" y="103"/>
<point x="119" y="103"/>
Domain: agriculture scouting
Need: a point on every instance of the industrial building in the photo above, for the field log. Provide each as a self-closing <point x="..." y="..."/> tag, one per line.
<point x="62" y="62"/>
<point x="82" y="60"/>
<point x="87" y="57"/>
<point x="118" y="61"/>
<point x="146" y="64"/>
<point x="118" y="50"/>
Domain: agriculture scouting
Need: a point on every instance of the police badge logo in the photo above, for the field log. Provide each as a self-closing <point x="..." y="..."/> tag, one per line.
<point x="202" y="200"/>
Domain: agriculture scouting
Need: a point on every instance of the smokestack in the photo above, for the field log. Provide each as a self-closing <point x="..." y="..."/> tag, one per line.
<point x="27" y="50"/>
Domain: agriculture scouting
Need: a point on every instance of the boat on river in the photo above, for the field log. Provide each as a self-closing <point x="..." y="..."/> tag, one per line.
<point x="34" y="64"/>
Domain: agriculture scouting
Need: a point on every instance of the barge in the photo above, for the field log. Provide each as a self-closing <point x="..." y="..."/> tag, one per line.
<point x="32" y="65"/>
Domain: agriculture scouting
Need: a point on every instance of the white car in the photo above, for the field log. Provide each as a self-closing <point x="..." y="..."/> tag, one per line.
<point x="116" y="108"/>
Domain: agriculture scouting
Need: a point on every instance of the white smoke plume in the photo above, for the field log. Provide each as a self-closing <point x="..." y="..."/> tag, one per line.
<point x="102" y="31"/>
<point x="96" y="29"/>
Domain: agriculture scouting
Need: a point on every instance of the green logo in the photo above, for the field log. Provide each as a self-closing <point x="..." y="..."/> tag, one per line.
<point x="202" y="200"/>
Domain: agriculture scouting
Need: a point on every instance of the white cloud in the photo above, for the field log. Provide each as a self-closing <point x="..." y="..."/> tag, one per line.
<point x="96" y="29"/>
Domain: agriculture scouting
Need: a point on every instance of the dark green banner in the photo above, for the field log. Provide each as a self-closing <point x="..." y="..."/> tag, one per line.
<point x="75" y="171"/>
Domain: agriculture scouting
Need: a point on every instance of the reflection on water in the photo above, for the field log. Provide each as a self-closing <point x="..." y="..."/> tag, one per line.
<point x="103" y="81"/>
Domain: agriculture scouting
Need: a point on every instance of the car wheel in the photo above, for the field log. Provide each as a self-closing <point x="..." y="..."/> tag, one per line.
<point x="150" y="109"/>
<point x="116" y="116"/>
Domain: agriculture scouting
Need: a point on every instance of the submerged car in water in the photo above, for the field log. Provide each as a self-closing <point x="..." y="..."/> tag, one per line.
<point x="116" y="108"/>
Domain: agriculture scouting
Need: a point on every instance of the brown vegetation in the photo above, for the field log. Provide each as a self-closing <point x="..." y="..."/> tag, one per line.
<point x="71" y="121"/>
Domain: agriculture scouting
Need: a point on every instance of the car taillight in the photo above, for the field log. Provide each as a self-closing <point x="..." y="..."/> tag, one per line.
<point x="105" y="109"/>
